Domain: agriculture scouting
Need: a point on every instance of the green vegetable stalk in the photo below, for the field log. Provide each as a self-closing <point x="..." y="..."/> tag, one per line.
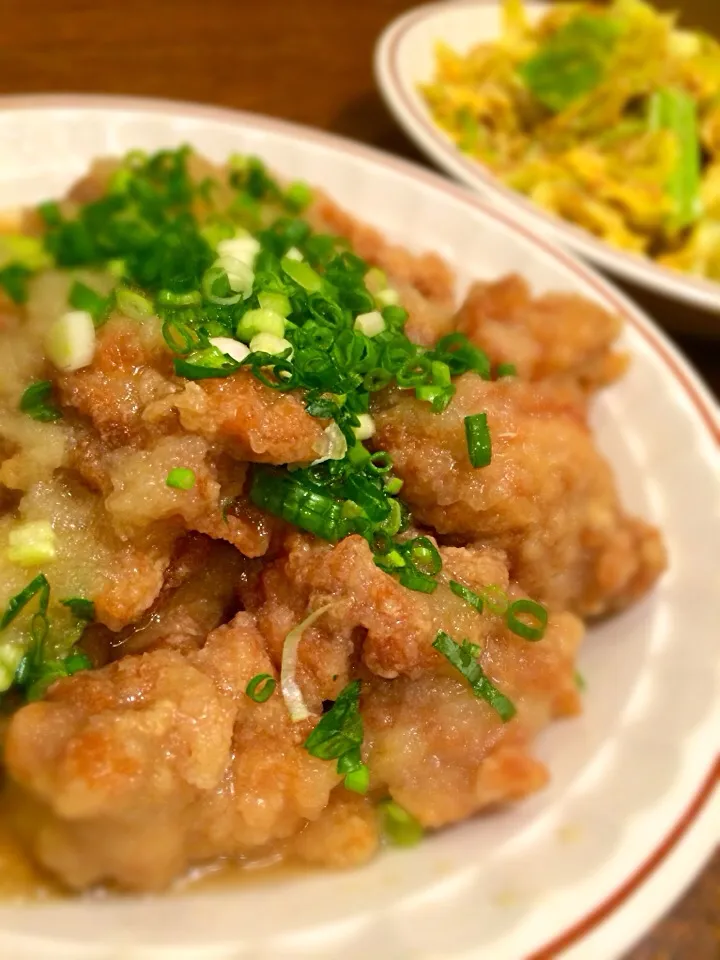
<point x="676" y="111"/>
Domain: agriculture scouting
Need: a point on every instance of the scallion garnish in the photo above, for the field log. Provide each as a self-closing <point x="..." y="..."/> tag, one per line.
<point x="26" y="665"/>
<point x="464" y="658"/>
<point x="80" y="607"/>
<point x="477" y="436"/>
<point x="82" y="297"/>
<point x="37" y="403"/>
<point x="469" y="596"/>
<point x="261" y="687"/>
<point x="38" y="585"/>
<point x="181" y="478"/>
<point x="14" y="281"/>
<point x="339" y="736"/>
<point x="298" y="196"/>
<point x="505" y="370"/>
<point x="527" y="608"/>
<point x="398" y="826"/>
<point x="497" y="601"/>
<point x="133" y="304"/>
<point x="298" y="309"/>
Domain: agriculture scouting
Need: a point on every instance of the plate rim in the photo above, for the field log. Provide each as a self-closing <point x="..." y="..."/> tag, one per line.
<point x="703" y="403"/>
<point x="676" y="285"/>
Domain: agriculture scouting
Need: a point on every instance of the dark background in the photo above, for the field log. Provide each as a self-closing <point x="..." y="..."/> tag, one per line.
<point x="312" y="63"/>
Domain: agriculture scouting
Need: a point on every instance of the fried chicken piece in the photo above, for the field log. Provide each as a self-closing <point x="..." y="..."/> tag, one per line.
<point x="130" y="396"/>
<point x="561" y="337"/>
<point x="130" y="370"/>
<point x="345" y="835"/>
<point x="548" y="497"/>
<point x="372" y="618"/>
<point x="246" y="418"/>
<point x="160" y="760"/>
<point x="215" y="503"/>
<point x="198" y="594"/>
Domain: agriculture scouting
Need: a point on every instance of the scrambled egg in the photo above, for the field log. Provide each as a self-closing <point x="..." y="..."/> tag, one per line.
<point x="606" y="116"/>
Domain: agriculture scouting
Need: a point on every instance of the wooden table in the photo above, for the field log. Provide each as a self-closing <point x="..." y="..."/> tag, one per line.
<point x="308" y="62"/>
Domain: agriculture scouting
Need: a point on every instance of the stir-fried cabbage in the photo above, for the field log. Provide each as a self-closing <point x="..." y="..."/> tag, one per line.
<point x="606" y="116"/>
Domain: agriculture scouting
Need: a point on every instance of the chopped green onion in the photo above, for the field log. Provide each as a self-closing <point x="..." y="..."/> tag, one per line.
<point x="243" y="248"/>
<point x="298" y="196"/>
<point x="37" y="403"/>
<point x="204" y="364"/>
<point x="36" y="674"/>
<point x="460" y="355"/>
<point x="387" y="297"/>
<point x="289" y="498"/>
<point x="260" y="321"/>
<point x="231" y="348"/>
<point x="334" y="444"/>
<point x="192" y="298"/>
<point x="413" y="372"/>
<point x="418" y="581"/>
<point x="365" y="428"/>
<point x="437" y="396"/>
<point x="31" y="544"/>
<point x="276" y="303"/>
<point x="495" y="598"/>
<point x="214" y="277"/>
<point x="180" y="337"/>
<point x="357" y="775"/>
<point x="14" y="281"/>
<point x="340" y="730"/>
<point x="469" y="596"/>
<point x="528" y="631"/>
<point x="505" y="370"/>
<point x="393" y="486"/>
<point x="580" y="681"/>
<point x="399" y="827"/>
<point x="181" y="478"/>
<point x="303" y="274"/>
<point x="80" y="607"/>
<point x="133" y="304"/>
<point x="37" y="585"/>
<point x="50" y="213"/>
<point x="463" y="658"/>
<point x="261" y="687"/>
<point x="376" y="379"/>
<point x="380" y="462"/>
<point x="270" y="344"/>
<point x="477" y="436"/>
<point x="25" y="251"/>
<point x="358" y="780"/>
<point x="369" y="324"/>
<point x="423" y="556"/>
<point x="70" y="341"/>
<point x="82" y="297"/>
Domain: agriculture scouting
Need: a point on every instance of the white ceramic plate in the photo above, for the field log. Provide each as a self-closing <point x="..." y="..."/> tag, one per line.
<point x="631" y="814"/>
<point x="405" y="57"/>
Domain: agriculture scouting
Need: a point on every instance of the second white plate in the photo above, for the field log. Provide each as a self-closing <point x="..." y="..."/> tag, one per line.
<point x="405" y="57"/>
